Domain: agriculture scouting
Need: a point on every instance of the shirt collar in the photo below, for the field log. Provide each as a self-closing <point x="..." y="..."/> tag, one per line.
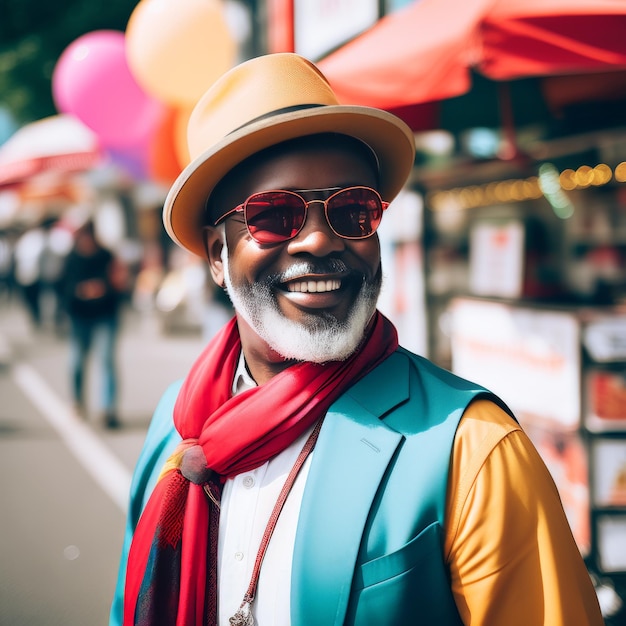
<point x="242" y="380"/>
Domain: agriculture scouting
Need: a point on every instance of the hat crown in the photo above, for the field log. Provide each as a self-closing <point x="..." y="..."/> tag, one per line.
<point x="253" y="90"/>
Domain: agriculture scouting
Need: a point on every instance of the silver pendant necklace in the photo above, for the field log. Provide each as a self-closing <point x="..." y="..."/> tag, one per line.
<point x="243" y="616"/>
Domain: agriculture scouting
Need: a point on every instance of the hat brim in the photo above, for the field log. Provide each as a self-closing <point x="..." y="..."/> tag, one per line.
<point x="389" y="137"/>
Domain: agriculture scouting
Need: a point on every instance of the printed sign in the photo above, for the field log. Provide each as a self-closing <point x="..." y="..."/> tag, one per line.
<point x="529" y="357"/>
<point x="323" y="25"/>
<point x="497" y="259"/>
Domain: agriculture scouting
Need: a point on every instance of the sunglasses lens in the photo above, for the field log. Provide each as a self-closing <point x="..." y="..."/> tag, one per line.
<point x="355" y="213"/>
<point x="274" y="216"/>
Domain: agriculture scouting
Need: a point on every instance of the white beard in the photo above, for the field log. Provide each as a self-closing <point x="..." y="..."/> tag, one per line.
<point x="322" y="339"/>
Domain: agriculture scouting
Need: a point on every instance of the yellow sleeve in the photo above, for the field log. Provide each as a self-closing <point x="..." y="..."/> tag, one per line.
<point x="512" y="557"/>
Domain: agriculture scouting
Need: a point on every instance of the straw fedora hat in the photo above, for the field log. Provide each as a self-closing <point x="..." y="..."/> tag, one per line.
<point x="263" y="102"/>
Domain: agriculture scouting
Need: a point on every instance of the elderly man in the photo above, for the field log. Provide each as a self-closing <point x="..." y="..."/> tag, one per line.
<point x="308" y="470"/>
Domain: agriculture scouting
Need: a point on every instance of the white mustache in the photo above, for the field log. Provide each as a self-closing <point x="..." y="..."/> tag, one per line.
<point x="305" y="268"/>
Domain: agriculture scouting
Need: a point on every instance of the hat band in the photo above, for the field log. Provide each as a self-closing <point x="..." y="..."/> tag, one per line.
<point x="300" y="107"/>
<point x="291" y="109"/>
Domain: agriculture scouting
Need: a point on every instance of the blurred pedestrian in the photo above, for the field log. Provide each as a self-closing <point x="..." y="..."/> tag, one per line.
<point x="57" y="244"/>
<point x="7" y="264"/>
<point x="27" y="258"/>
<point x="94" y="282"/>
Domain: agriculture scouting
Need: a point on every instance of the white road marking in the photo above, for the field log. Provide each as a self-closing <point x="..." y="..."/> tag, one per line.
<point x="105" y="468"/>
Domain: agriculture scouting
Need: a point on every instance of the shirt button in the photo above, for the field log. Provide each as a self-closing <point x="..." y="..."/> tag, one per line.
<point x="248" y="482"/>
<point x="238" y="556"/>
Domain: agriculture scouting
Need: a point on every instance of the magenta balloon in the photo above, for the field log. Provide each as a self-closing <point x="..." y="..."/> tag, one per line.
<point x="92" y="80"/>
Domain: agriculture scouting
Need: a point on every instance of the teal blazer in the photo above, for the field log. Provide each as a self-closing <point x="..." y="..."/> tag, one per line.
<point x="368" y="546"/>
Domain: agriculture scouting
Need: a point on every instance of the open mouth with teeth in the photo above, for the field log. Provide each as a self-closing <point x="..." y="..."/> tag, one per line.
<point x="317" y="292"/>
<point x="325" y="285"/>
<point x="314" y="286"/>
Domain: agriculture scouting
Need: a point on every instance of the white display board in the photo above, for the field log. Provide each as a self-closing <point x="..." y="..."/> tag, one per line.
<point x="497" y="259"/>
<point x="609" y="472"/>
<point x="321" y="25"/>
<point x="530" y="358"/>
<point x="611" y="544"/>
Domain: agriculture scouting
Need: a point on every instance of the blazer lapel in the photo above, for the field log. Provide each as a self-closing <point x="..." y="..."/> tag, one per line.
<point x="350" y="459"/>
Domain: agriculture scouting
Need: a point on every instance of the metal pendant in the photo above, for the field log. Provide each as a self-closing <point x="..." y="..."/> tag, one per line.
<point x="243" y="617"/>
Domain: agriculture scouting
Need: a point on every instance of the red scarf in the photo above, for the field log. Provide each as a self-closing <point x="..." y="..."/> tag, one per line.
<point x="169" y="582"/>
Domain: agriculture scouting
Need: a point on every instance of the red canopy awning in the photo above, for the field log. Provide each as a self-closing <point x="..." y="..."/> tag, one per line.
<point x="55" y="144"/>
<point x="428" y="50"/>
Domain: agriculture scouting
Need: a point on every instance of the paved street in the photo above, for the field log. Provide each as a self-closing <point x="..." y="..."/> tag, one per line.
<point x="64" y="481"/>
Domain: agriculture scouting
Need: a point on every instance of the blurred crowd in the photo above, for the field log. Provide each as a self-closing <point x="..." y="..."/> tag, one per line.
<point x="70" y="283"/>
<point x="175" y="285"/>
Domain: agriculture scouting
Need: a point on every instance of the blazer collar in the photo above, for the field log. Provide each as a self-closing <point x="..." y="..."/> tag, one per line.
<point x="350" y="459"/>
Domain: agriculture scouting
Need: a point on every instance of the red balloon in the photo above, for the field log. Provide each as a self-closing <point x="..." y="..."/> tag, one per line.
<point x="163" y="163"/>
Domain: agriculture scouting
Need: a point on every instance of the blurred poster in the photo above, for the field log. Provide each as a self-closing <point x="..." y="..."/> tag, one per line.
<point x="402" y="298"/>
<point x="497" y="259"/>
<point x="609" y="471"/>
<point x="529" y="357"/>
<point x="605" y="338"/>
<point x="320" y="27"/>
<point x="611" y="530"/>
<point x="606" y="400"/>
<point x="565" y="457"/>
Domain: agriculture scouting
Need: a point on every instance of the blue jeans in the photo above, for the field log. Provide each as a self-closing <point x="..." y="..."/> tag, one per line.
<point x="101" y="334"/>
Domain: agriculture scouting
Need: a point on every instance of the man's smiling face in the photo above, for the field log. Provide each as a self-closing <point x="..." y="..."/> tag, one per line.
<point x="309" y="298"/>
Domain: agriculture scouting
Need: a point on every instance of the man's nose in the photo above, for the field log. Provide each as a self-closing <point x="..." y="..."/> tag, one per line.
<point x="316" y="237"/>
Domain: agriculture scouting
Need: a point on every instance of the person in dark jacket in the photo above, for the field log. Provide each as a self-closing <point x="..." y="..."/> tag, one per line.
<point x="93" y="285"/>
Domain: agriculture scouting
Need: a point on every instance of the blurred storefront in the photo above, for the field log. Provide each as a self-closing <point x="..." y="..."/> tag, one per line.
<point x="525" y="265"/>
<point x="508" y="262"/>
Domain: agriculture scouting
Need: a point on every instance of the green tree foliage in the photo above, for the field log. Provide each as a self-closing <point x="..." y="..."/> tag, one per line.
<point x="33" y="34"/>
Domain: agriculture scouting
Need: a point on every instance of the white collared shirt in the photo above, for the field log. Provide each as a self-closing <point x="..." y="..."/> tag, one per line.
<point x="247" y="502"/>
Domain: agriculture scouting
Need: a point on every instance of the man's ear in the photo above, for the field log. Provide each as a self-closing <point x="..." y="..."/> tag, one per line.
<point x="213" y="239"/>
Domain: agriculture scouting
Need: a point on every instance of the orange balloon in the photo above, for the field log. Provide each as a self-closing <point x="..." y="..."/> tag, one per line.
<point x="177" y="49"/>
<point x="180" y="135"/>
<point x="168" y="154"/>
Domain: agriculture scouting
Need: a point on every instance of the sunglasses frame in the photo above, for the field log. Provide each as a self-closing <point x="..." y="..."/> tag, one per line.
<point x="241" y="208"/>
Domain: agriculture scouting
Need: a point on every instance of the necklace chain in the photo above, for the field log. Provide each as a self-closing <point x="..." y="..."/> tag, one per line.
<point x="243" y="616"/>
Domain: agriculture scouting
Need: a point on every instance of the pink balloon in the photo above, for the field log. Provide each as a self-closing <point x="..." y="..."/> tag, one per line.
<point x="92" y="80"/>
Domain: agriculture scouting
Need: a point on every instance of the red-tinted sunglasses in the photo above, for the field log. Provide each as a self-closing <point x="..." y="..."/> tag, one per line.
<point x="277" y="216"/>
